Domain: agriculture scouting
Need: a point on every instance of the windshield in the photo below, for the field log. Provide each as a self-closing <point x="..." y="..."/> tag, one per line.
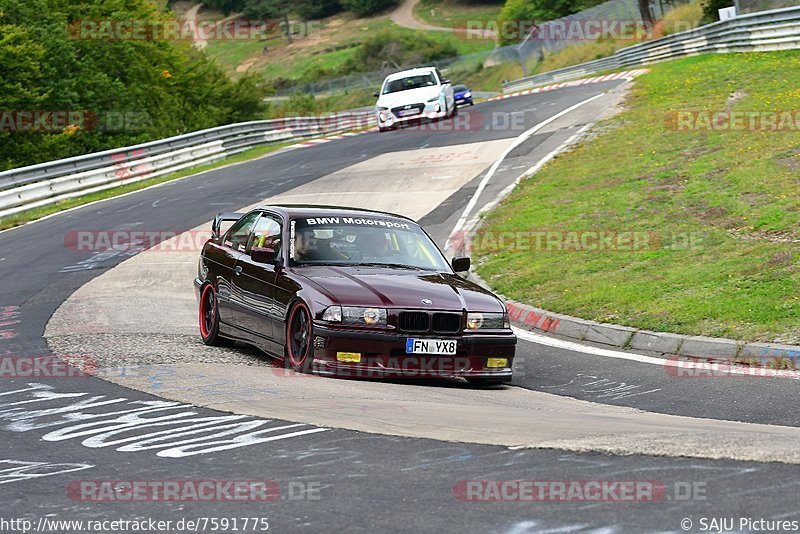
<point x="460" y="88"/>
<point x="411" y="82"/>
<point x="363" y="241"/>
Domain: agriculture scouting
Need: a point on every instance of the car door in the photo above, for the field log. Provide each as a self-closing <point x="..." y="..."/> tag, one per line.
<point x="233" y="246"/>
<point x="255" y="282"/>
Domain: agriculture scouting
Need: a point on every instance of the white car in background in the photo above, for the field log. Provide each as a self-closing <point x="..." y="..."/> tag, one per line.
<point x="413" y="95"/>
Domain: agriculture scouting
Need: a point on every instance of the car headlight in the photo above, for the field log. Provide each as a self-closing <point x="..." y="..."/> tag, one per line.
<point x="467" y="94"/>
<point x="494" y="321"/>
<point x="355" y="315"/>
<point x="381" y="108"/>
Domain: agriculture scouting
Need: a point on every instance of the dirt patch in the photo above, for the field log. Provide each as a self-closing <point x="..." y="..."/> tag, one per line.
<point x="792" y="162"/>
<point x="736" y="96"/>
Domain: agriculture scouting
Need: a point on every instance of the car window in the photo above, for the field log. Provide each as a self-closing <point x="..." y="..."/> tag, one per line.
<point x="371" y="240"/>
<point x="410" y="82"/>
<point x="459" y="88"/>
<point x="239" y="233"/>
<point x="266" y="235"/>
<point x="439" y="75"/>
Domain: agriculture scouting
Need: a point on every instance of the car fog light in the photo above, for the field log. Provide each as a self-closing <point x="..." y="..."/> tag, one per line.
<point x="353" y="357"/>
<point x="497" y="362"/>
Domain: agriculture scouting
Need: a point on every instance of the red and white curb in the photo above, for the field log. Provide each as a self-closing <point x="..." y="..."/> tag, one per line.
<point x="323" y="140"/>
<point x="624" y="75"/>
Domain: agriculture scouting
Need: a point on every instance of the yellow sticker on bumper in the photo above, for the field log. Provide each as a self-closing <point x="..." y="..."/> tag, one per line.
<point x="348" y="357"/>
<point x="497" y="362"/>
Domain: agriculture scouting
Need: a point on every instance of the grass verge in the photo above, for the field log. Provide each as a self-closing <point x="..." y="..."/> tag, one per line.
<point x="456" y="13"/>
<point x="37" y="213"/>
<point x="720" y="210"/>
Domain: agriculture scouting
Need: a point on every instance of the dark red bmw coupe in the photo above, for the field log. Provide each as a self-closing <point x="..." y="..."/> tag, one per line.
<point x="348" y="292"/>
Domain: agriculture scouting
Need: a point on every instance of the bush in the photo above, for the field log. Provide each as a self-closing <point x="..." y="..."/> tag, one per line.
<point x="682" y="18"/>
<point x="711" y="9"/>
<point x="317" y="9"/>
<point x="362" y="8"/>
<point x="166" y="88"/>
<point x="393" y="49"/>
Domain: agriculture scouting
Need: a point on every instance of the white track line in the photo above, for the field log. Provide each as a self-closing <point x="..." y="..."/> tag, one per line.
<point x="518" y="141"/>
<point x="548" y="341"/>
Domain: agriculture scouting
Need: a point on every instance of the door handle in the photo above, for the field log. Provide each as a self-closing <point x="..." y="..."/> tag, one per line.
<point x="238" y="270"/>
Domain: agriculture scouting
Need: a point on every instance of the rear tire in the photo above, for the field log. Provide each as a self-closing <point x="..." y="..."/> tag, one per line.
<point x="209" y="319"/>
<point x="299" y="339"/>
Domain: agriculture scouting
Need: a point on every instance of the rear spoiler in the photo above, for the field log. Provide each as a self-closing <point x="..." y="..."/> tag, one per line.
<point x="223" y="217"/>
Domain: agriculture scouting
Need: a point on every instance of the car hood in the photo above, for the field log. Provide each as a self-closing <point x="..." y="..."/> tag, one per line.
<point x="394" y="288"/>
<point x="409" y="96"/>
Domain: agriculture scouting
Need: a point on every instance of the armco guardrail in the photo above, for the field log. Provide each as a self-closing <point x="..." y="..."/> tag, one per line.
<point x="768" y="30"/>
<point x="46" y="183"/>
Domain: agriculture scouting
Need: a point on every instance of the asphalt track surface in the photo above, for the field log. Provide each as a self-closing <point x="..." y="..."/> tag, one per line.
<point x="365" y="482"/>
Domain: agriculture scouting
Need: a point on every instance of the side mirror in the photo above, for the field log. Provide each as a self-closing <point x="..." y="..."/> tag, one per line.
<point x="264" y="255"/>
<point x="445" y="81"/>
<point x="376" y="94"/>
<point x="460" y="265"/>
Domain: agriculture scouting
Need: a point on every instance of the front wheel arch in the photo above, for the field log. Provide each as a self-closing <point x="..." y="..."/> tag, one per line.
<point x="299" y="353"/>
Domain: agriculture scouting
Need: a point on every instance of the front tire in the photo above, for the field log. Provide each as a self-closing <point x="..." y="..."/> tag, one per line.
<point x="209" y="319"/>
<point x="299" y="336"/>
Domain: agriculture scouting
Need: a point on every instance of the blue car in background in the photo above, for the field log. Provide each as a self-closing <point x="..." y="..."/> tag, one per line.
<point x="463" y="95"/>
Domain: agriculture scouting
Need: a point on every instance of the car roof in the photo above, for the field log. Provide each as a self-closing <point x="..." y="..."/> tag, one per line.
<point x="410" y="72"/>
<point x="315" y="210"/>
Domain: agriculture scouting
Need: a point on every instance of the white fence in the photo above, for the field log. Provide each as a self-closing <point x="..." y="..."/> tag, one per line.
<point x="768" y="30"/>
<point x="46" y="183"/>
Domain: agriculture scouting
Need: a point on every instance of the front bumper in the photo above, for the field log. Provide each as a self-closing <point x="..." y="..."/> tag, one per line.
<point x="393" y="121"/>
<point x="382" y="355"/>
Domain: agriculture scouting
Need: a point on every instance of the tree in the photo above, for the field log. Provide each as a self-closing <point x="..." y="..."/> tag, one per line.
<point x="711" y="9"/>
<point x="317" y="9"/>
<point x="270" y="9"/>
<point x="49" y="62"/>
<point x="362" y="8"/>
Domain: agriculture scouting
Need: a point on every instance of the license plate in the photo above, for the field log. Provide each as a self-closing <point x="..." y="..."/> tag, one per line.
<point x="407" y="112"/>
<point x="431" y="346"/>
